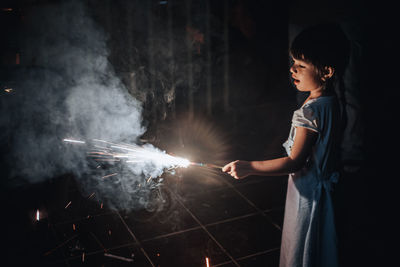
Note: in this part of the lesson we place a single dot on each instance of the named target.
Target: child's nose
(293, 69)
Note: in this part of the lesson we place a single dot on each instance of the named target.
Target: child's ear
(328, 73)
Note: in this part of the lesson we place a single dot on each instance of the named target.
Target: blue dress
(308, 235)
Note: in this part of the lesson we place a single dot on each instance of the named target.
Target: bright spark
(37, 215)
(138, 154)
(74, 141)
(131, 154)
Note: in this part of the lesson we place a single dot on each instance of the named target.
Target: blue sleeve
(305, 117)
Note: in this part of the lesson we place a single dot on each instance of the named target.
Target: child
(308, 238)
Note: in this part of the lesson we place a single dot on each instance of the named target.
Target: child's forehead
(302, 59)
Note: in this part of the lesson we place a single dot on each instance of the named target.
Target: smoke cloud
(68, 89)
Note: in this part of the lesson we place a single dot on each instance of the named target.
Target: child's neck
(318, 93)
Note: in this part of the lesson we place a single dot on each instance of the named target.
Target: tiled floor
(233, 223)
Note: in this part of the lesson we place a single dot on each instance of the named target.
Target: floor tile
(267, 194)
(77, 205)
(30, 245)
(168, 218)
(246, 236)
(217, 205)
(269, 259)
(276, 216)
(225, 264)
(195, 180)
(185, 249)
(93, 234)
(124, 256)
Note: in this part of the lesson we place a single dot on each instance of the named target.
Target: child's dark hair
(323, 45)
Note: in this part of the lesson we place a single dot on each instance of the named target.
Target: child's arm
(301, 149)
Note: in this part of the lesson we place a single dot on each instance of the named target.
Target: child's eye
(301, 66)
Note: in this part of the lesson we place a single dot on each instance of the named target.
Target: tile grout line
(208, 224)
(102, 250)
(83, 218)
(136, 240)
(205, 229)
(253, 205)
(233, 219)
(258, 253)
(65, 259)
(248, 256)
(171, 234)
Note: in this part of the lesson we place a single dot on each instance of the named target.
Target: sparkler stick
(209, 165)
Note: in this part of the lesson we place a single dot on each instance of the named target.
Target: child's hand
(238, 169)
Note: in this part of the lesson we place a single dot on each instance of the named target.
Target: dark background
(243, 50)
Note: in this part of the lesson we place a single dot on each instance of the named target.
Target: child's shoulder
(321, 101)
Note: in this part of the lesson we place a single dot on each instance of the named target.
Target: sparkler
(136, 154)
(73, 141)
(209, 165)
(104, 151)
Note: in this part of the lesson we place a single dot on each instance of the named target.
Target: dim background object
(245, 47)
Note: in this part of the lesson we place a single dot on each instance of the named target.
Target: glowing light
(207, 262)
(74, 141)
(8, 90)
(37, 215)
(7, 9)
(209, 165)
(137, 154)
(104, 151)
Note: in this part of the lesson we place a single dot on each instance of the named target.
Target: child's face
(305, 75)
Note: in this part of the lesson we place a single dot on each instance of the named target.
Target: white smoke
(68, 89)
